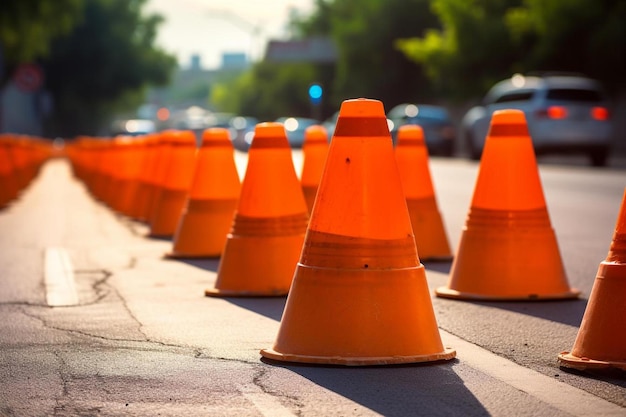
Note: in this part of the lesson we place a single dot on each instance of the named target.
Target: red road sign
(28, 77)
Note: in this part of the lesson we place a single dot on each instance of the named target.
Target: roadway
(143, 339)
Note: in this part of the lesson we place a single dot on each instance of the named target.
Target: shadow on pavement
(439, 266)
(432, 389)
(208, 264)
(568, 312)
(270, 307)
(616, 377)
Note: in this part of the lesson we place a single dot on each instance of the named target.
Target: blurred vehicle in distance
(439, 130)
(133, 127)
(219, 119)
(242, 131)
(565, 114)
(295, 127)
(330, 123)
(192, 118)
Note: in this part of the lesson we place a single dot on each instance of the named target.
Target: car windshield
(574, 94)
(515, 96)
(417, 112)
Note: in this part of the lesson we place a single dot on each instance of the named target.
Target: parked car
(295, 127)
(565, 114)
(133, 127)
(242, 131)
(439, 130)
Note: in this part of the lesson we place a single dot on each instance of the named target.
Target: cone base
(169, 209)
(430, 235)
(445, 292)
(508, 255)
(257, 266)
(215, 292)
(202, 228)
(568, 360)
(447, 354)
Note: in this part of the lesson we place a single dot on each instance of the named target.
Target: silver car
(565, 114)
(439, 130)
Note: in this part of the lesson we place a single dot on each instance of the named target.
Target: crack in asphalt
(97, 287)
(65, 379)
(146, 345)
(257, 379)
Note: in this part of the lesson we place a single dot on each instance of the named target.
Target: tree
(104, 63)
(364, 32)
(587, 36)
(472, 49)
(274, 90)
(27, 27)
(484, 41)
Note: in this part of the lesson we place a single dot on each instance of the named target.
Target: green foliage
(483, 41)
(27, 27)
(107, 59)
(471, 51)
(369, 66)
(273, 90)
(587, 36)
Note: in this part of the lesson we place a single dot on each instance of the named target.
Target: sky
(210, 28)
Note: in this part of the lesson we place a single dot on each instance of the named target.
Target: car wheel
(599, 157)
(474, 152)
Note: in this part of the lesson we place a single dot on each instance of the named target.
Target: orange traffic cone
(314, 150)
(601, 339)
(130, 161)
(412, 158)
(212, 200)
(268, 229)
(9, 187)
(179, 168)
(508, 249)
(359, 294)
(153, 175)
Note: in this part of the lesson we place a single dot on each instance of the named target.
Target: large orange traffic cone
(601, 339)
(359, 294)
(412, 158)
(314, 150)
(179, 168)
(212, 200)
(508, 249)
(268, 229)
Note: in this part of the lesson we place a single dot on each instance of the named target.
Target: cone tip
(269, 129)
(270, 135)
(508, 116)
(315, 133)
(361, 107)
(215, 134)
(410, 133)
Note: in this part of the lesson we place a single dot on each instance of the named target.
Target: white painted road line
(59, 278)
(265, 403)
(548, 390)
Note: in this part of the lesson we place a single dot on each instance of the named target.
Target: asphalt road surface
(140, 337)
